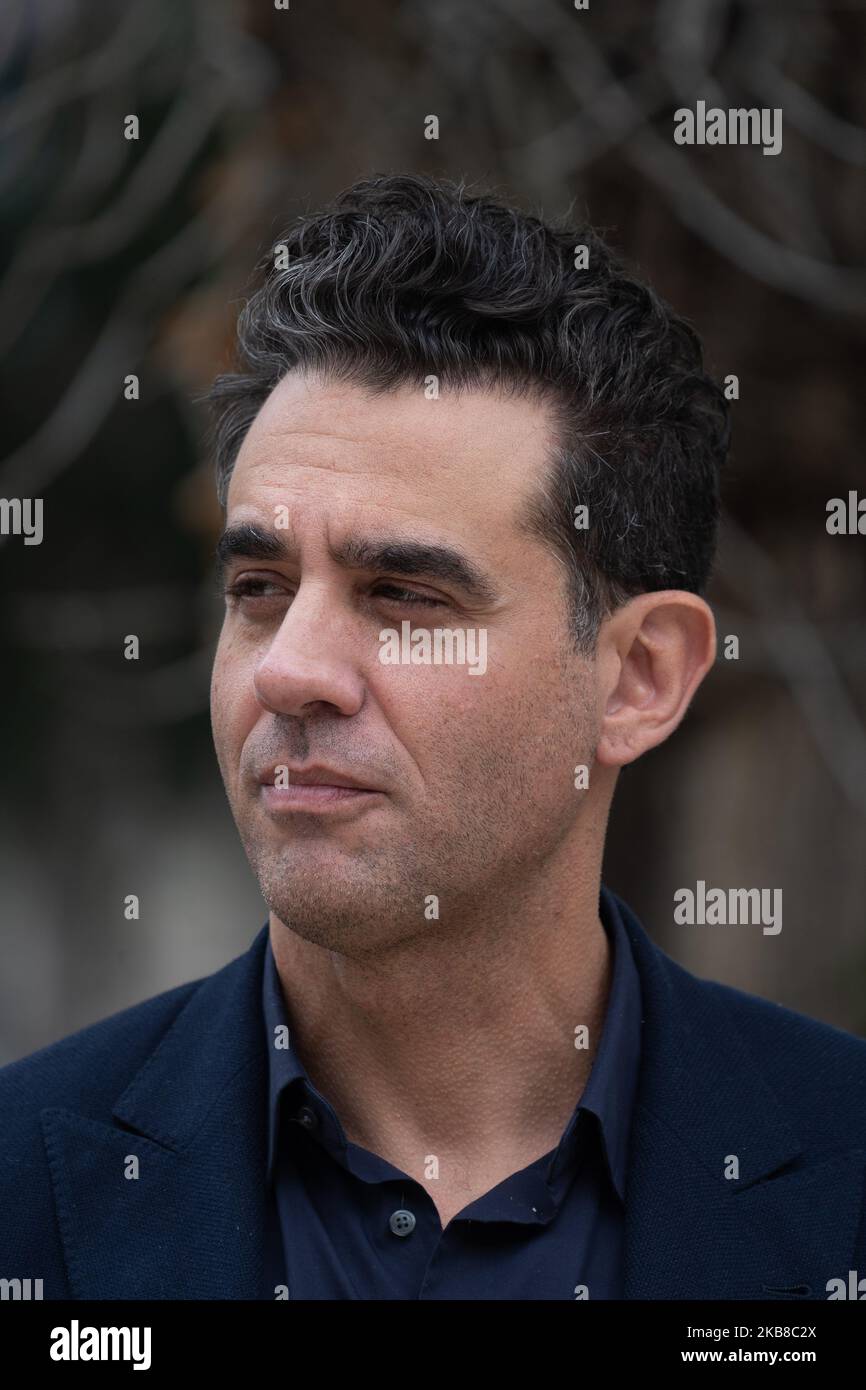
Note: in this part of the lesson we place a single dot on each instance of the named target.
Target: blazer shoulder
(819, 1069)
(87, 1070)
(764, 1016)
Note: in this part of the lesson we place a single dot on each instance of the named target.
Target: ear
(652, 655)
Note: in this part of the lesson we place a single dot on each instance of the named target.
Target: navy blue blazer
(180, 1081)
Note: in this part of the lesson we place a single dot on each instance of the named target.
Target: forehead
(464, 462)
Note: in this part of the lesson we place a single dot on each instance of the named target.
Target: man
(470, 472)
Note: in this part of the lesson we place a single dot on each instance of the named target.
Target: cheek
(530, 716)
(233, 706)
(418, 696)
(446, 719)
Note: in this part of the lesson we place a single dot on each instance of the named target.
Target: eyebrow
(410, 559)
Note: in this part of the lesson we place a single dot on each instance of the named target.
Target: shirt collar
(609, 1093)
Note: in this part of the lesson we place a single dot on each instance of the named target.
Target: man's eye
(398, 595)
(252, 588)
(264, 588)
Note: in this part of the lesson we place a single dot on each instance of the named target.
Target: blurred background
(123, 257)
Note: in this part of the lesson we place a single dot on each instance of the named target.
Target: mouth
(312, 788)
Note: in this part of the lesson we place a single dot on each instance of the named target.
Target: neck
(460, 1040)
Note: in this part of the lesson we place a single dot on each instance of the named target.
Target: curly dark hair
(407, 276)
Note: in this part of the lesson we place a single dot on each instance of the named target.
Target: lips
(314, 775)
(314, 790)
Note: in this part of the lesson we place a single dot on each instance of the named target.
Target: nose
(309, 661)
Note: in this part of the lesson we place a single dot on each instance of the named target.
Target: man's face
(472, 774)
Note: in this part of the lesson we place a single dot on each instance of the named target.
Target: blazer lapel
(191, 1224)
(785, 1225)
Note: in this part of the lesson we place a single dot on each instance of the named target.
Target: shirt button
(402, 1223)
(307, 1117)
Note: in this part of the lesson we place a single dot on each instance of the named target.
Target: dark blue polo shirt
(345, 1223)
